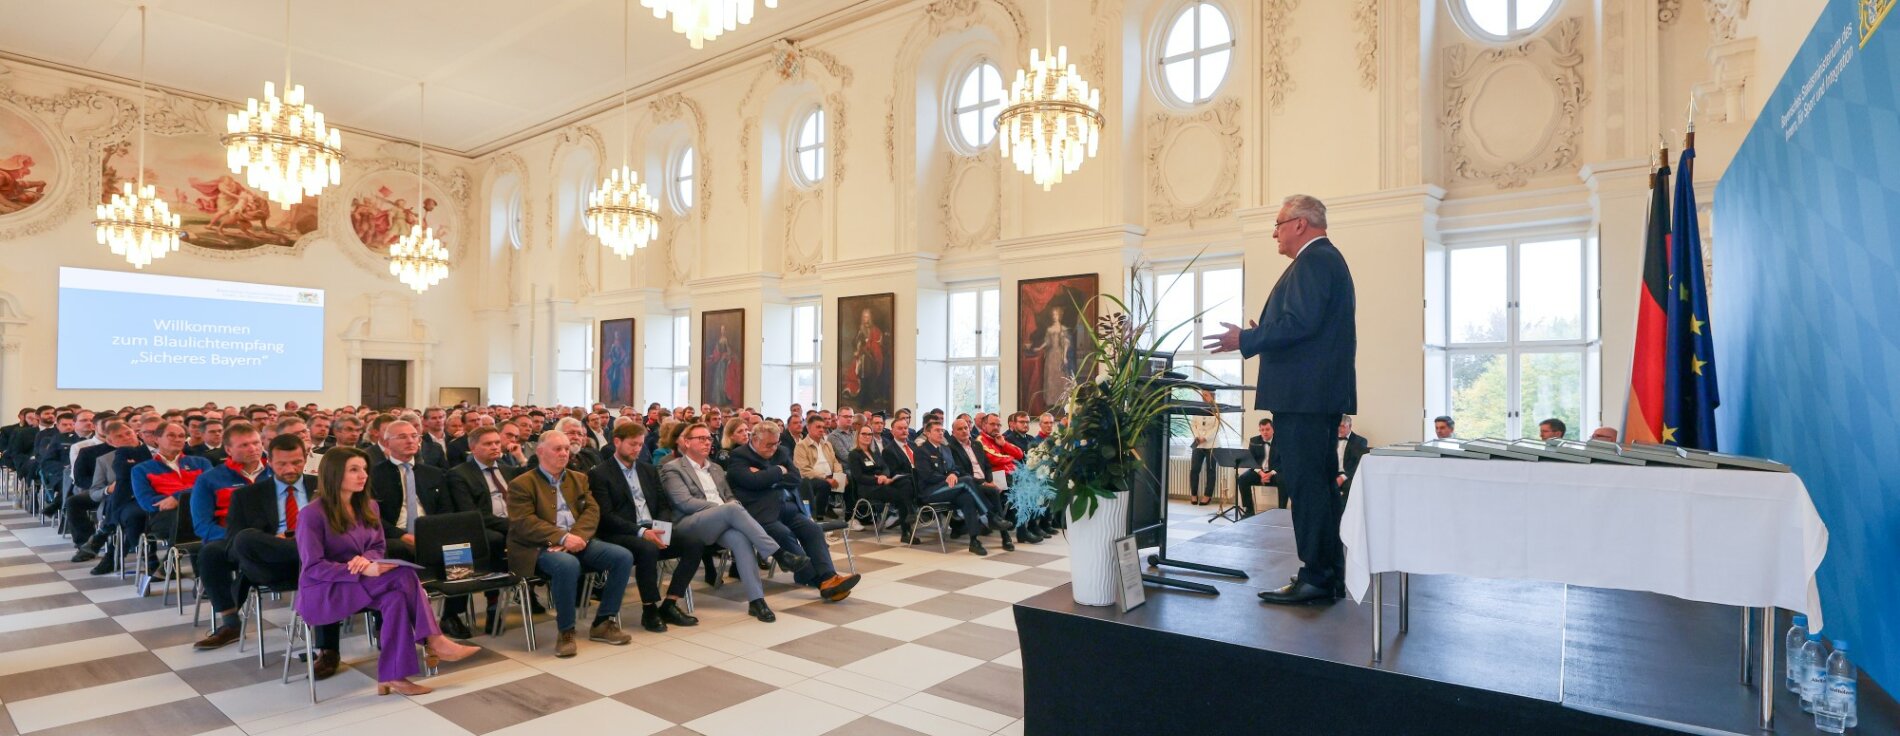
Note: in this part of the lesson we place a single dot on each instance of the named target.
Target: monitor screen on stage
(135, 331)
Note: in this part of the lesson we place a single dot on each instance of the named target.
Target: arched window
(808, 153)
(514, 216)
(683, 178)
(1502, 20)
(979, 100)
(1196, 53)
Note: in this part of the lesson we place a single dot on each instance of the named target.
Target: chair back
(435, 531)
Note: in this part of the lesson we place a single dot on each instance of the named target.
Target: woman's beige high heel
(459, 653)
(402, 687)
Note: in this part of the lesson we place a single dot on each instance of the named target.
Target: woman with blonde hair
(669, 441)
(340, 540)
(736, 433)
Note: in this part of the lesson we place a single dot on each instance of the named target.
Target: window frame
(954, 111)
(816, 364)
(1193, 347)
(586, 373)
(1461, 16)
(976, 361)
(1513, 348)
(1193, 55)
(679, 188)
(806, 119)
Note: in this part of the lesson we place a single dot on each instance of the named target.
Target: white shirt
(1204, 429)
(1340, 449)
(77, 446)
(497, 489)
(705, 479)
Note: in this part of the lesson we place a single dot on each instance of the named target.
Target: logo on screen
(306, 297)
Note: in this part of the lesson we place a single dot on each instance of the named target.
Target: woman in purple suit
(340, 540)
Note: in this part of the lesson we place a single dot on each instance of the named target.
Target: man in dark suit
(1266, 459)
(631, 499)
(458, 447)
(1306, 340)
(941, 480)
(764, 479)
(1351, 448)
(123, 460)
(435, 444)
(480, 483)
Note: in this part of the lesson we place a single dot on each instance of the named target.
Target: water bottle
(1838, 710)
(1797, 636)
(1814, 671)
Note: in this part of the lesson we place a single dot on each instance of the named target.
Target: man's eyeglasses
(1278, 223)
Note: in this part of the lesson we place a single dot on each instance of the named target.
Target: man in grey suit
(709, 512)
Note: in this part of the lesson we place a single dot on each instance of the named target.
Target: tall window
(1520, 336)
(682, 375)
(808, 155)
(1502, 20)
(574, 364)
(979, 101)
(806, 337)
(975, 337)
(1196, 52)
(1213, 291)
(683, 180)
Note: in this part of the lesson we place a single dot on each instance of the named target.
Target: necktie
(290, 510)
(410, 504)
(498, 498)
(908, 455)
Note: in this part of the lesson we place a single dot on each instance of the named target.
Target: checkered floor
(926, 644)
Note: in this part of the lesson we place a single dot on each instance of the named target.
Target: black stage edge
(1481, 657)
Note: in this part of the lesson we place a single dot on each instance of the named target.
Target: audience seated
(973, 464)
(937, 474)
(342, 547)
(1442, 427)
(631, 499)
(708, 510)
(552, 518)
(156, 487)
(1266, 460)
(821, 474)
(766, 481)
(95, 463)
(1551, 429)
(480, 484)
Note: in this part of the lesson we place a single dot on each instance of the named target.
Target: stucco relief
(970, 203)
(1182, 187)
(1514, 112)
(804, 231)
(1365, 20)
(1277, 44)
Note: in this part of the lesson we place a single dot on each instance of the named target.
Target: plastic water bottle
(1797, 636)
(1814, 671)
(1838, 709)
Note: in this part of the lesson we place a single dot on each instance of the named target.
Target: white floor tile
(985, 568)
(786, 628)
(842, 697)
(349, 688)
(795, 665)
(114, 593)
(13, 571)
(1012, 659)
(760, 671)
(895, 594)
(1013, 729)
(360, 708)
(871, 686)
(37, 590)
(780, 713)
(604, 716)
(903, 625)
(56, 655)
(694, 652)
(959, 712)
(625, 671)
(157, 619)
(1002, 619)
(933, 725)
(37, 619)
(465, 681)
(83, 704)
(1008, 591)
(408, 722)
(913, 666)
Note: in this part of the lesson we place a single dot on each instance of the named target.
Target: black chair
(436, 531)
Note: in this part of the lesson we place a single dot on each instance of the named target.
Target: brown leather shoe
(327, 661)
(609, 631)
(219, 638)
(564, 645)
(838, 587)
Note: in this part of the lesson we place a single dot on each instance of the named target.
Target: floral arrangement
(1114, 399)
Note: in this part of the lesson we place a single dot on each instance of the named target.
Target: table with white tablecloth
(1733, 537)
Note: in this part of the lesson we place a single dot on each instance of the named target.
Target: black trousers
(646, 563)
(1309, 465)
(79, 507)
(1199, 484)
(217, 572)
(819, 492)
(901, 495)
(1249, 480)
(267, 559)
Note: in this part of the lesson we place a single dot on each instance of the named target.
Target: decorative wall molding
(68, 192)
(890, 135)
(786, 64)
(1725, 16)
(334, 209)
(801, 258)
(966, 230)
(1667, 11)
(676, 106)
(1723, 99)
(1276, 44)
(1222, 119)
(1558, 60)
(1365, 20)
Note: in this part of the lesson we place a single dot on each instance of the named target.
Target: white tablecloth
(1733, 537)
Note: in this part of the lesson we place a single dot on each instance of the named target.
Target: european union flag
(1689, 390)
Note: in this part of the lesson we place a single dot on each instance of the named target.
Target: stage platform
(1481, 657)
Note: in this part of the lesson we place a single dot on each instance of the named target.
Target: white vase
(1092, 566)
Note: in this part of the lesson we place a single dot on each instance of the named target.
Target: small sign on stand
(1129, 594)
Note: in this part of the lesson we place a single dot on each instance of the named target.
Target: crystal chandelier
(1054, 121)
(419, 259)
(136, 223)
(620, 211)
(704, 20)
(282, 146)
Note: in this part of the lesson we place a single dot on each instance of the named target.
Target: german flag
(1643, 418)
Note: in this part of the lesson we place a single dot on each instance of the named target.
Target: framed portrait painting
(722, 355)
(616, 362)
(1050, 316)
(865, 379)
